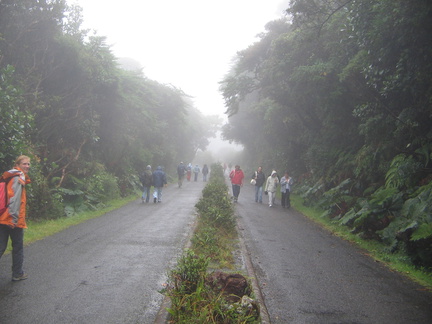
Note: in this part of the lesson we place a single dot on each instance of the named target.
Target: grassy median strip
(204, 286)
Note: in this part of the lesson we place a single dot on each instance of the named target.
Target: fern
(424, 231)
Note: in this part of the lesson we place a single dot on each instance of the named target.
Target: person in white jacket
(271, 186)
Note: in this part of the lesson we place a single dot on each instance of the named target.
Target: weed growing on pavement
(200, 296)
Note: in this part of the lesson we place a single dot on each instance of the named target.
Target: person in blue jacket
(159, 181)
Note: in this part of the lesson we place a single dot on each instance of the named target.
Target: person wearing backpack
(146, 181)
(12, 220)
(181, 170)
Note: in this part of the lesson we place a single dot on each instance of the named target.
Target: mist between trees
(338, 93)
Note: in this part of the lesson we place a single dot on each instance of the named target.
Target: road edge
(264, 315)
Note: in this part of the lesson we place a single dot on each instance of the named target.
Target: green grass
(38, 230)
(215, 240)
(394, 261)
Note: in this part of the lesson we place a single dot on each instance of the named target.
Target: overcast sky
(189, 44)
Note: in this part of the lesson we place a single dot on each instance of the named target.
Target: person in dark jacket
(259, 178)
(181, 170)
(205, 172)
(159, 181)
(146, 181)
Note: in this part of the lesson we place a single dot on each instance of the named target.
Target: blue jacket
(159, 177)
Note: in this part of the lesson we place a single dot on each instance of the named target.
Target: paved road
(110, 269)
(307, 275)
(107, 270)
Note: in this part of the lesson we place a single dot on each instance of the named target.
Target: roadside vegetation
(206, 286)
(89, 123)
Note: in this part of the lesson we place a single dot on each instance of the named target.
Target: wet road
(110, 269)
(106, 270)
(307, 275)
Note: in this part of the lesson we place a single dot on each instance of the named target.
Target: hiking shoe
(20, 277)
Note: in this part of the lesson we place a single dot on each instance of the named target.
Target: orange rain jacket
(15, 214)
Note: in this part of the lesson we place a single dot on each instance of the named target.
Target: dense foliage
(340, 94)
(89, 125)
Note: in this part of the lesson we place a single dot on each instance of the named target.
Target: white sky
(189, 44)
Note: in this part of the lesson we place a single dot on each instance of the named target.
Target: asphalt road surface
(111, 269)
(308, 275)
(106, 270)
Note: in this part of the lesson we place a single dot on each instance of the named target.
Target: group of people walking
(157, 179)
(183, 170)
(262, 185)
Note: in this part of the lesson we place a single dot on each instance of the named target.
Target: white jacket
(272, 182)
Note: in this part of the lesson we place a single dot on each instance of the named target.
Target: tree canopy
(91, 125)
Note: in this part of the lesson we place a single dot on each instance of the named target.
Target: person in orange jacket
(12, 220)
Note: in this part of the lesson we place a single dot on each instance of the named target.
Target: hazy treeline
(88, 125)
(340, 94)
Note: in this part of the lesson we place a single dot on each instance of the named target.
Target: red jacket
(236, 177)
(15, 214)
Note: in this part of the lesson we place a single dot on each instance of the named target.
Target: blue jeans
(17, 237)
(158, 193)
(258, 193)
(146, 194)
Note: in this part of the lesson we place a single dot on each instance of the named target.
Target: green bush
(189, 273)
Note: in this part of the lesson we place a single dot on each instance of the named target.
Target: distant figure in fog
(181, 170)
(196, 171)
(146, 180)
(159, 180)
(271, 186)
(205, 172)
(189, 171)
(236, 177)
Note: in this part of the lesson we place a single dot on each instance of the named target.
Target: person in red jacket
(236, 177)
(12, 220)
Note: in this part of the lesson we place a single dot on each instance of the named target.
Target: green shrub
(189, 273)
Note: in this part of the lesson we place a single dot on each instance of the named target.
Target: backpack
(4, 199)
(146, 179)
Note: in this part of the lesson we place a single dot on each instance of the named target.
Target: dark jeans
(17, 237)
(236, 191)
(286, 202)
